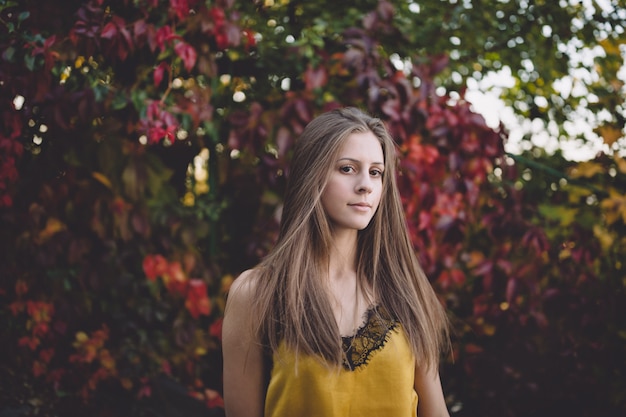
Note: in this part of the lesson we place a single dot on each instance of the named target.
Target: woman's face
(355, 186)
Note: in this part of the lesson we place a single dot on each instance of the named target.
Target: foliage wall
(144, 151)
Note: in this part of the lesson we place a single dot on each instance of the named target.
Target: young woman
(339, 319)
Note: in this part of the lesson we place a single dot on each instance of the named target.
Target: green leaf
(138, 98)
(23, 16)
(211, 131)
(566, 216)
(119, 102)
(7, 4)
(9, 54)
(100, 92)
(157, 174)
(29, 60)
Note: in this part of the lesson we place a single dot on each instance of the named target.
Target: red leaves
(315, 78)
(10, 152)
(180, 8)
(420, 154)
(46, 50)
(159, 73)
(218, 16)
(39, 318)
(90, 349)
(159, 124)
(120, 41)
(154, 266)
(215, 330)
(451, 278)
(40, 365)
(536, 239)
(145, 390)
(40, 311)
(109, 31)
(187, 54)
(31, 342)
(87, 27)
(164, 36)
(221, 29)
(250, 38)
(213, 399)
(175, 279)
(177, 283)
(197, 301)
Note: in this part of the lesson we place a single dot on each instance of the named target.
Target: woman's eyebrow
(358, 161)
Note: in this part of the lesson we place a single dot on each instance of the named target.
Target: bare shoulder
(242, 289)
(243, 354)
(240, 298)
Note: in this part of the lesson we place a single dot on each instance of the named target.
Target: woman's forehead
(362, 146)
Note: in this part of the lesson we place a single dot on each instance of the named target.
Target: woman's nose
(365, 184)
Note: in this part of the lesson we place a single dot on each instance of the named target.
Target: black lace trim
(369, 338)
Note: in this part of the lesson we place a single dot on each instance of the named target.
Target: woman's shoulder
(238, 314)
(243, 287)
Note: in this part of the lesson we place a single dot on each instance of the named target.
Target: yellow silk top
(377, 378)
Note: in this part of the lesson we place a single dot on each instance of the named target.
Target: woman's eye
(346, 169)
(376, 173)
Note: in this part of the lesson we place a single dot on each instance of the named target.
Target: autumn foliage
(144, 148)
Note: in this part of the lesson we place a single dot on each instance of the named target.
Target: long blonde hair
(292, 303)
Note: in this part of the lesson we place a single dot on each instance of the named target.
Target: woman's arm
(244, 394)
(431, 402)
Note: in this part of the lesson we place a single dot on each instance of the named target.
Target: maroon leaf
(109, 31)
(159, 72)
(187, 54)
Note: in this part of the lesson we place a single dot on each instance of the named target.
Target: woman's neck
(342, 256)
(348, 300)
